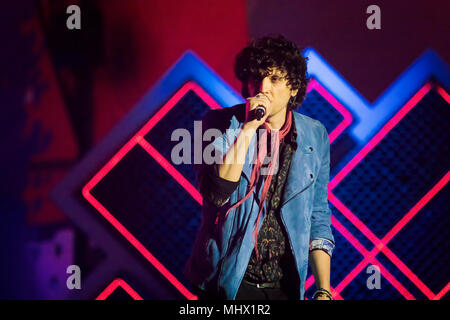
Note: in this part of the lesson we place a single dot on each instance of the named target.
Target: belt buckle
(259, 286)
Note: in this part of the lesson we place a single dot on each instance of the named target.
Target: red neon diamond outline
(118, 282)
(348, 118)
(380, 245)
(353, 241)
(138, 138)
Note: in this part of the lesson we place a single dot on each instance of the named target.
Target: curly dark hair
(257, 59)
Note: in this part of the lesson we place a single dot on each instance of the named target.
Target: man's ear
(294, 92)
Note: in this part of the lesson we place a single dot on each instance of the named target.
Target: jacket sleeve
(214, 189)
(321, 234)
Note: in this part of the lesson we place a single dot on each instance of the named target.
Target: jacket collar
(298, 177)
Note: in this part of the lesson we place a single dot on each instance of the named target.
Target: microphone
(260, 112)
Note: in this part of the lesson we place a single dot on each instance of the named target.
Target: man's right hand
(233, 162)
(250, 106)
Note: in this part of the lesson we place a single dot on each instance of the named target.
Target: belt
(272, 285)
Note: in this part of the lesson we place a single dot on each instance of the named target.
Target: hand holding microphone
(257, 110)
(260, 112)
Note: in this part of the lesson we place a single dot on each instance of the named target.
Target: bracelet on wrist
(322, 291)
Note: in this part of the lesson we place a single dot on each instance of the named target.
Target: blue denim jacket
(222, 251)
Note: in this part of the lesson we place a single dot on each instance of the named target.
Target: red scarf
(276, 139)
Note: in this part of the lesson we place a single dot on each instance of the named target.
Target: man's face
(275, 87)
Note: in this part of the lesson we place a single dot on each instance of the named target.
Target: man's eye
(275, 78)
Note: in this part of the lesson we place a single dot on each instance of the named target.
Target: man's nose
(265, 86)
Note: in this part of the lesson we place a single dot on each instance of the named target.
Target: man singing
(265, 206)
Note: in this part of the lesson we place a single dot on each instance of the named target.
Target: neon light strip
(138, 139)
(379, 136)
(371, 116)
(137, 244)
(348, 118)
(381, 245)
(353, 241)
(443, 93)
(443, 292)
(173, 101)
(113, 286)
(400, 225)
(368, 258)
(172, 171)
(414, 210)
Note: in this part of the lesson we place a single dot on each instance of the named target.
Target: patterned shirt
(273, 241)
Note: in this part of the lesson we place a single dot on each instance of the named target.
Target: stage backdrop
(89, 113)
